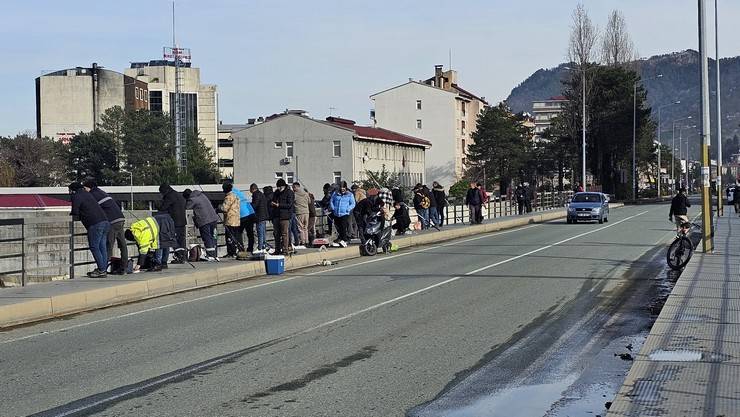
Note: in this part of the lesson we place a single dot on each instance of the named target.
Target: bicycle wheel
(679, 253)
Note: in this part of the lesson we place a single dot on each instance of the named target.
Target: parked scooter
(377, 234)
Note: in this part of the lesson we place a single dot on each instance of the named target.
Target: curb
(22, 307)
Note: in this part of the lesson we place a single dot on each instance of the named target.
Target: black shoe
(164, 266)
(155, 268)
(177, 261)
(93, 272)
(97, 274)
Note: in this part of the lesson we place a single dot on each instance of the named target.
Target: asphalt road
(385, 336)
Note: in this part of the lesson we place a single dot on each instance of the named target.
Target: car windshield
(587, 198)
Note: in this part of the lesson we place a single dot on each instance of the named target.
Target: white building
(200, 101)
(71, 101)
(544, 111)
(297, 148)
(437, 109)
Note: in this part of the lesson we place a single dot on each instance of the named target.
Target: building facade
(314, 152)
(544, 111)
(71, 101)
(200, 101)
(437, 109)
(226, 148)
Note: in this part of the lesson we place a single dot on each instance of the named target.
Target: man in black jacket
(282, 211)
(173, 203)
(679, 208)
(88, 211)
(473, 201)
(117, 222)
(262, 214)
(441, 199)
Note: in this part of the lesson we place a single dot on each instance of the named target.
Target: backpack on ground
(195, 253)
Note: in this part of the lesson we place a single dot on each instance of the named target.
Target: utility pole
(707, 242)
(720, 209)
(634, 140)
(583, 131)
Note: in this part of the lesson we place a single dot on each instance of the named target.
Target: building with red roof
(32, 202)
(295, 147)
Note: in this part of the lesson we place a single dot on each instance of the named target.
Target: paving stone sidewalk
(690, 362)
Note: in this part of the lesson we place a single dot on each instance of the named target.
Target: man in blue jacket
(341, 204)
(247, 217)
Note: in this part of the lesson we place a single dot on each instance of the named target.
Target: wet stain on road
(316, 374)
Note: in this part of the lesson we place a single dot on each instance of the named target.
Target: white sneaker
(212, 259)
(271, 251)
(342, 243)
(299, 247)
(258, 252)
(335, 244)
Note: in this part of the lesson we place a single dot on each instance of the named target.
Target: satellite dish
(365, 158)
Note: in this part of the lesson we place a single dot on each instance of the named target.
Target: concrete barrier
(23, 305)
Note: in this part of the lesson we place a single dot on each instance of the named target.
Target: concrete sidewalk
(690, 362)
(23, 305)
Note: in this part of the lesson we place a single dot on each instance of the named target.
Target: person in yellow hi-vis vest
(145, 233)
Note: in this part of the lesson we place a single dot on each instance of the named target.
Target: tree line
(503, 151)
(136, 145)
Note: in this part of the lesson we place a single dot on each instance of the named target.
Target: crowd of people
(290, 208)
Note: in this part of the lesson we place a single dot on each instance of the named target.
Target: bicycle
(680, 251)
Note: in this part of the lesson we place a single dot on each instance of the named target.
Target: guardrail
(56, 248)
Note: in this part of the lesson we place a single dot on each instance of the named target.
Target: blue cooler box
(275, 264)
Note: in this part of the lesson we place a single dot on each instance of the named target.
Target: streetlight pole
(660, 139)
(634, 134)
(720, 210)
(583, 129)
(707, 242)
(673, 147)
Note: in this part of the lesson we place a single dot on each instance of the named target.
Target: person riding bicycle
(679, 209)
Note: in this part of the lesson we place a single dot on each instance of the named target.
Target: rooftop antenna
(450, 58)
(180, 56)
(331, 110)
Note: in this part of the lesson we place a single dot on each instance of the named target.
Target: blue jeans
(434, 216)
(423, 215)
(161, 256)
(206, 233)
(261, 231)
(295, 235)
(97, 239)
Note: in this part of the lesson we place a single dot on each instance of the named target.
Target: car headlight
(596, 210)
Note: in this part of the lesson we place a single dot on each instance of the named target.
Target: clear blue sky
(266, 56)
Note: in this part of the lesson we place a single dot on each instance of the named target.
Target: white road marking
(264, 284)
(327, 323)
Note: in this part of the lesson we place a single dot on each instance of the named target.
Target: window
(289, 177)
(337, 144)
(136, 92)
(462, 127)
(155, 101)
(337, 177)
(463, 108)
(278, 175)
(418, 104)
(278, 145)
(289, 149)
(145, 93)
(464, 149)
(418, 123)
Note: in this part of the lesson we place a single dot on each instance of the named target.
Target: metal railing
(61, 244)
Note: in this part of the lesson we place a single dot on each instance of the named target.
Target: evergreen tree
(94, 155)
(34, 162)
(501, 145)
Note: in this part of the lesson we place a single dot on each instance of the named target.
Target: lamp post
(706, 198)
(583, 122)
(660, 139)
(634, 134)
(720, 210)
(673, 147)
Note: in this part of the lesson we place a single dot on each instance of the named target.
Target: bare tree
(617, 47)
(583, 37)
